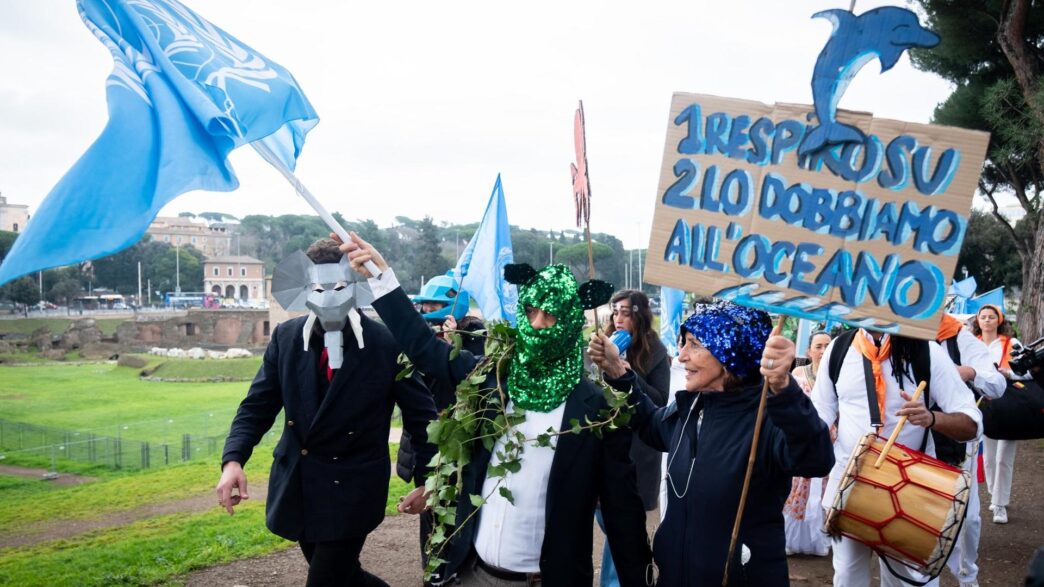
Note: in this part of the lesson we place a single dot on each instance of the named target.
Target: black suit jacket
(331, 467)
(585, 470)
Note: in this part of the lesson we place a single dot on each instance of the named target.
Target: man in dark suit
(329, 481)
(544, 534)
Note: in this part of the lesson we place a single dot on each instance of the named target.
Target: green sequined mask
(547, 363)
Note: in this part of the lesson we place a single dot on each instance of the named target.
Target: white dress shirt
(510, 536)
(848, 405)
(996, 349)
(976, 355)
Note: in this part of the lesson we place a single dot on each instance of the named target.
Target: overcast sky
(421, 104)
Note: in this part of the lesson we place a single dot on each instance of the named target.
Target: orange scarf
(948, 328)
(1005, 351)
(876, 356)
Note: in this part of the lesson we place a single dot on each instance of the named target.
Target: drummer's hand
(915, 411)
(776, 360)
(359, 252)
(967, 373)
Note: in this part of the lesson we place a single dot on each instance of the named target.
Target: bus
(100, 302)
(192, 299)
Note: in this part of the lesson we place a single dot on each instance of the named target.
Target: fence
(23, 443)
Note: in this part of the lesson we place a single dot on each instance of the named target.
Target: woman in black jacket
(707, 434)
(648, 357)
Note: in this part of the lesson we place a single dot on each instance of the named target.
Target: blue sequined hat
(734, 334)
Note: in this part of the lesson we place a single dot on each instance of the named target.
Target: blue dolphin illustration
(883, 33)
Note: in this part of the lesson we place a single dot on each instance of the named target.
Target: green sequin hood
(547, 363)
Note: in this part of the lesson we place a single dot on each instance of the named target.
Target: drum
(910, 510)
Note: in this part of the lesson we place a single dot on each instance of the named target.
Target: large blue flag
(182, 95)
(481, 265)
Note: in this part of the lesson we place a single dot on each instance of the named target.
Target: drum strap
(871, 394)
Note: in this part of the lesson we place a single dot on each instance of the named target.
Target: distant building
(13, 217)
(235, 276)
(213, 239)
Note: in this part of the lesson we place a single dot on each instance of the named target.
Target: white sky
(423, 103)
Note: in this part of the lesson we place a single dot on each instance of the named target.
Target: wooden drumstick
(898, 427)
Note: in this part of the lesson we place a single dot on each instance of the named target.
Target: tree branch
(1019, 245)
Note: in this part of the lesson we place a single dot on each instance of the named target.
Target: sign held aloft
(865, 233)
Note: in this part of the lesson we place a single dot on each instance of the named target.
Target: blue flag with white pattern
(480, 268)
(183, 94)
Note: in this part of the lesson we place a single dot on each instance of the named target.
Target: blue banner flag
(672, 303)
(183, 94)
(481, 265)
(994, 297)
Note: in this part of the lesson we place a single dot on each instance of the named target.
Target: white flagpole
(335, 226)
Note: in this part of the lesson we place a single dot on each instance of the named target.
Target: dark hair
(325, 250)
(472, 342)
(1003, 329)
(642, 319)
(902, 355)
(816, 333)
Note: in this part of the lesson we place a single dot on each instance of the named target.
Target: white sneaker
(1000, 515)
(970, 584)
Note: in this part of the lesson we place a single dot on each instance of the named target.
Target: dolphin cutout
(883, 33)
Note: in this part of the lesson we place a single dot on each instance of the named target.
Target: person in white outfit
(998, 456)
(977, 369)
(803, 510)
(847, 405)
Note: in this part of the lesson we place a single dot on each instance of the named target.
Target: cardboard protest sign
(865, 233)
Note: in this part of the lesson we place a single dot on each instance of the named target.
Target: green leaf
(506, 494)
(477, 501)
(514, 465)
(435, 431)
(543, 439)
(457, 343)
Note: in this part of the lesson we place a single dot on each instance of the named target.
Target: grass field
(112, 400)
(57, 325)
(236, 369)
(150, 550)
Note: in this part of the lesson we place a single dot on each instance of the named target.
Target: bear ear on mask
(595, 293)
(291, 280)
(519, 273)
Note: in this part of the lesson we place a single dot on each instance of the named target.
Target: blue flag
(182, 95)
(481, 265)
(671, 310)
(994, 297)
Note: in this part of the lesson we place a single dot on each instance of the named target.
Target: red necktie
(324, 362)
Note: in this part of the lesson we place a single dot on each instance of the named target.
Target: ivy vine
(480, 416)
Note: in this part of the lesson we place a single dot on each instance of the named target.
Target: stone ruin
(206, 333)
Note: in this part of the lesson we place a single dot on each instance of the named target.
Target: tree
(427, 251)
(987, 254)
(992, 51)
(65, 291)
(23, 290)
(575, 256)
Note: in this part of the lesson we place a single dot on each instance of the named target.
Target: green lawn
(112, 400)
(156, 550)
(235, 369)
(108, 326)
